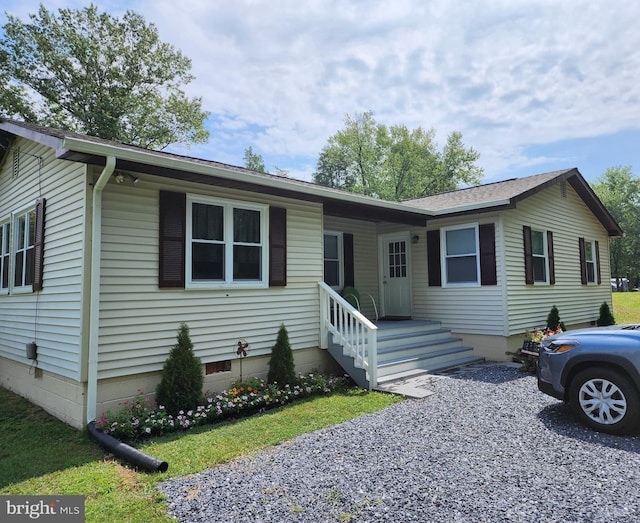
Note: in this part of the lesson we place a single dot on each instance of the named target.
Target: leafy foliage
(182, 379)
(253, 160)
(281, 365)
(606, 316)
(394, 163)
(89, 72)
(619, 190)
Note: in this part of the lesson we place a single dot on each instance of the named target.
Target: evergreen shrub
(182, 379)
(281, 365)
(606, 316)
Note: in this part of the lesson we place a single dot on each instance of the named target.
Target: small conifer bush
(181, 385)
(553, 320)
(606, 316)
(281, 366)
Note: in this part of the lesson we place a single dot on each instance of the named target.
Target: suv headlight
(559, 345)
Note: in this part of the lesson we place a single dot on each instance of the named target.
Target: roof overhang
(73, 147)
(70, 146)
(572, 176)
(335, 203)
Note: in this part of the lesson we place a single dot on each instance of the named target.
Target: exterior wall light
(122, 177)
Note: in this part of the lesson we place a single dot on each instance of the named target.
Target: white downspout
(94, 299)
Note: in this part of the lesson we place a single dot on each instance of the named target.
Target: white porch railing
(351, 329)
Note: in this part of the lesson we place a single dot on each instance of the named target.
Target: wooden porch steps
(407, 348)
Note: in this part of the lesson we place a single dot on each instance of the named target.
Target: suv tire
(606, 400)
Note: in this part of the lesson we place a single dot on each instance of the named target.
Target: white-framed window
(539, 253)
(226, 243)
(460, 255)
(5, 255)
(333, 259)
(24, 227)
(590, 261)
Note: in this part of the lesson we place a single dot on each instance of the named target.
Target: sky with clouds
(532, 85)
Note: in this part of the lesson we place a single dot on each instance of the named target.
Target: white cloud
(281, 75)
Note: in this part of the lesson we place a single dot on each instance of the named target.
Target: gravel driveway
(487, 446)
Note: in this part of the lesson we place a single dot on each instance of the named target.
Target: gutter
(94, 299)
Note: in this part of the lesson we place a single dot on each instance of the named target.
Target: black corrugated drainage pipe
(122, 450)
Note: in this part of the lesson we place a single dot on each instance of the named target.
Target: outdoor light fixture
(415, 238)
(122, 177)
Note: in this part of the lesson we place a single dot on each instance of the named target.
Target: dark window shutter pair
(528, 256)
(38, 246)
(488, 273)
(173, 207)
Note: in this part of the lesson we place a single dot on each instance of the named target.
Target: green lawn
(41, 455)
(626, 307)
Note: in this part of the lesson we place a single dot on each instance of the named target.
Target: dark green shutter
(433, 258)
(552, 262)
(172, 231)
(347, 251)
(597, 244)
(583, 261)
(277, 247)
(528, 255)
(487, 233)
(38, 246)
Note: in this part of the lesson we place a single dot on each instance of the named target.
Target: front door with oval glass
(395, 273)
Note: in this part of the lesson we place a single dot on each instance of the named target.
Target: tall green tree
(253, 160)
(619, 190)
(394, 163)
(93, 73)
(352, 158)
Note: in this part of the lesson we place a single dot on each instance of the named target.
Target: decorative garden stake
(241, 352)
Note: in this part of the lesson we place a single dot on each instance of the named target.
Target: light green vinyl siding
(139, 321)
(569, 219)
(365, 258)
(52, 317)
(464, 309)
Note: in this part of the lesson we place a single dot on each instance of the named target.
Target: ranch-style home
(106, 248)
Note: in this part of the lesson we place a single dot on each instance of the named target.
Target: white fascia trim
(472, 207)
(154, 158)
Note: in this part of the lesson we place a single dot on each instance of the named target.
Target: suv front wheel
(606, 400)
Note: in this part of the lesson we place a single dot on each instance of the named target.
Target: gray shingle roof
(489, 195)
(498, 195)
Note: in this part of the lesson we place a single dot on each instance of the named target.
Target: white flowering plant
(143, 417)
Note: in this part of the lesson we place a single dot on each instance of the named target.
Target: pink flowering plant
(143, 417)
(536, 335)
(531, 346)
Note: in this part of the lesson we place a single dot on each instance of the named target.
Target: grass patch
(626, 307)
(41, 455)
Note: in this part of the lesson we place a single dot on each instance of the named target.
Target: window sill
(19, 290)
(461, 285)
(212, 286)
